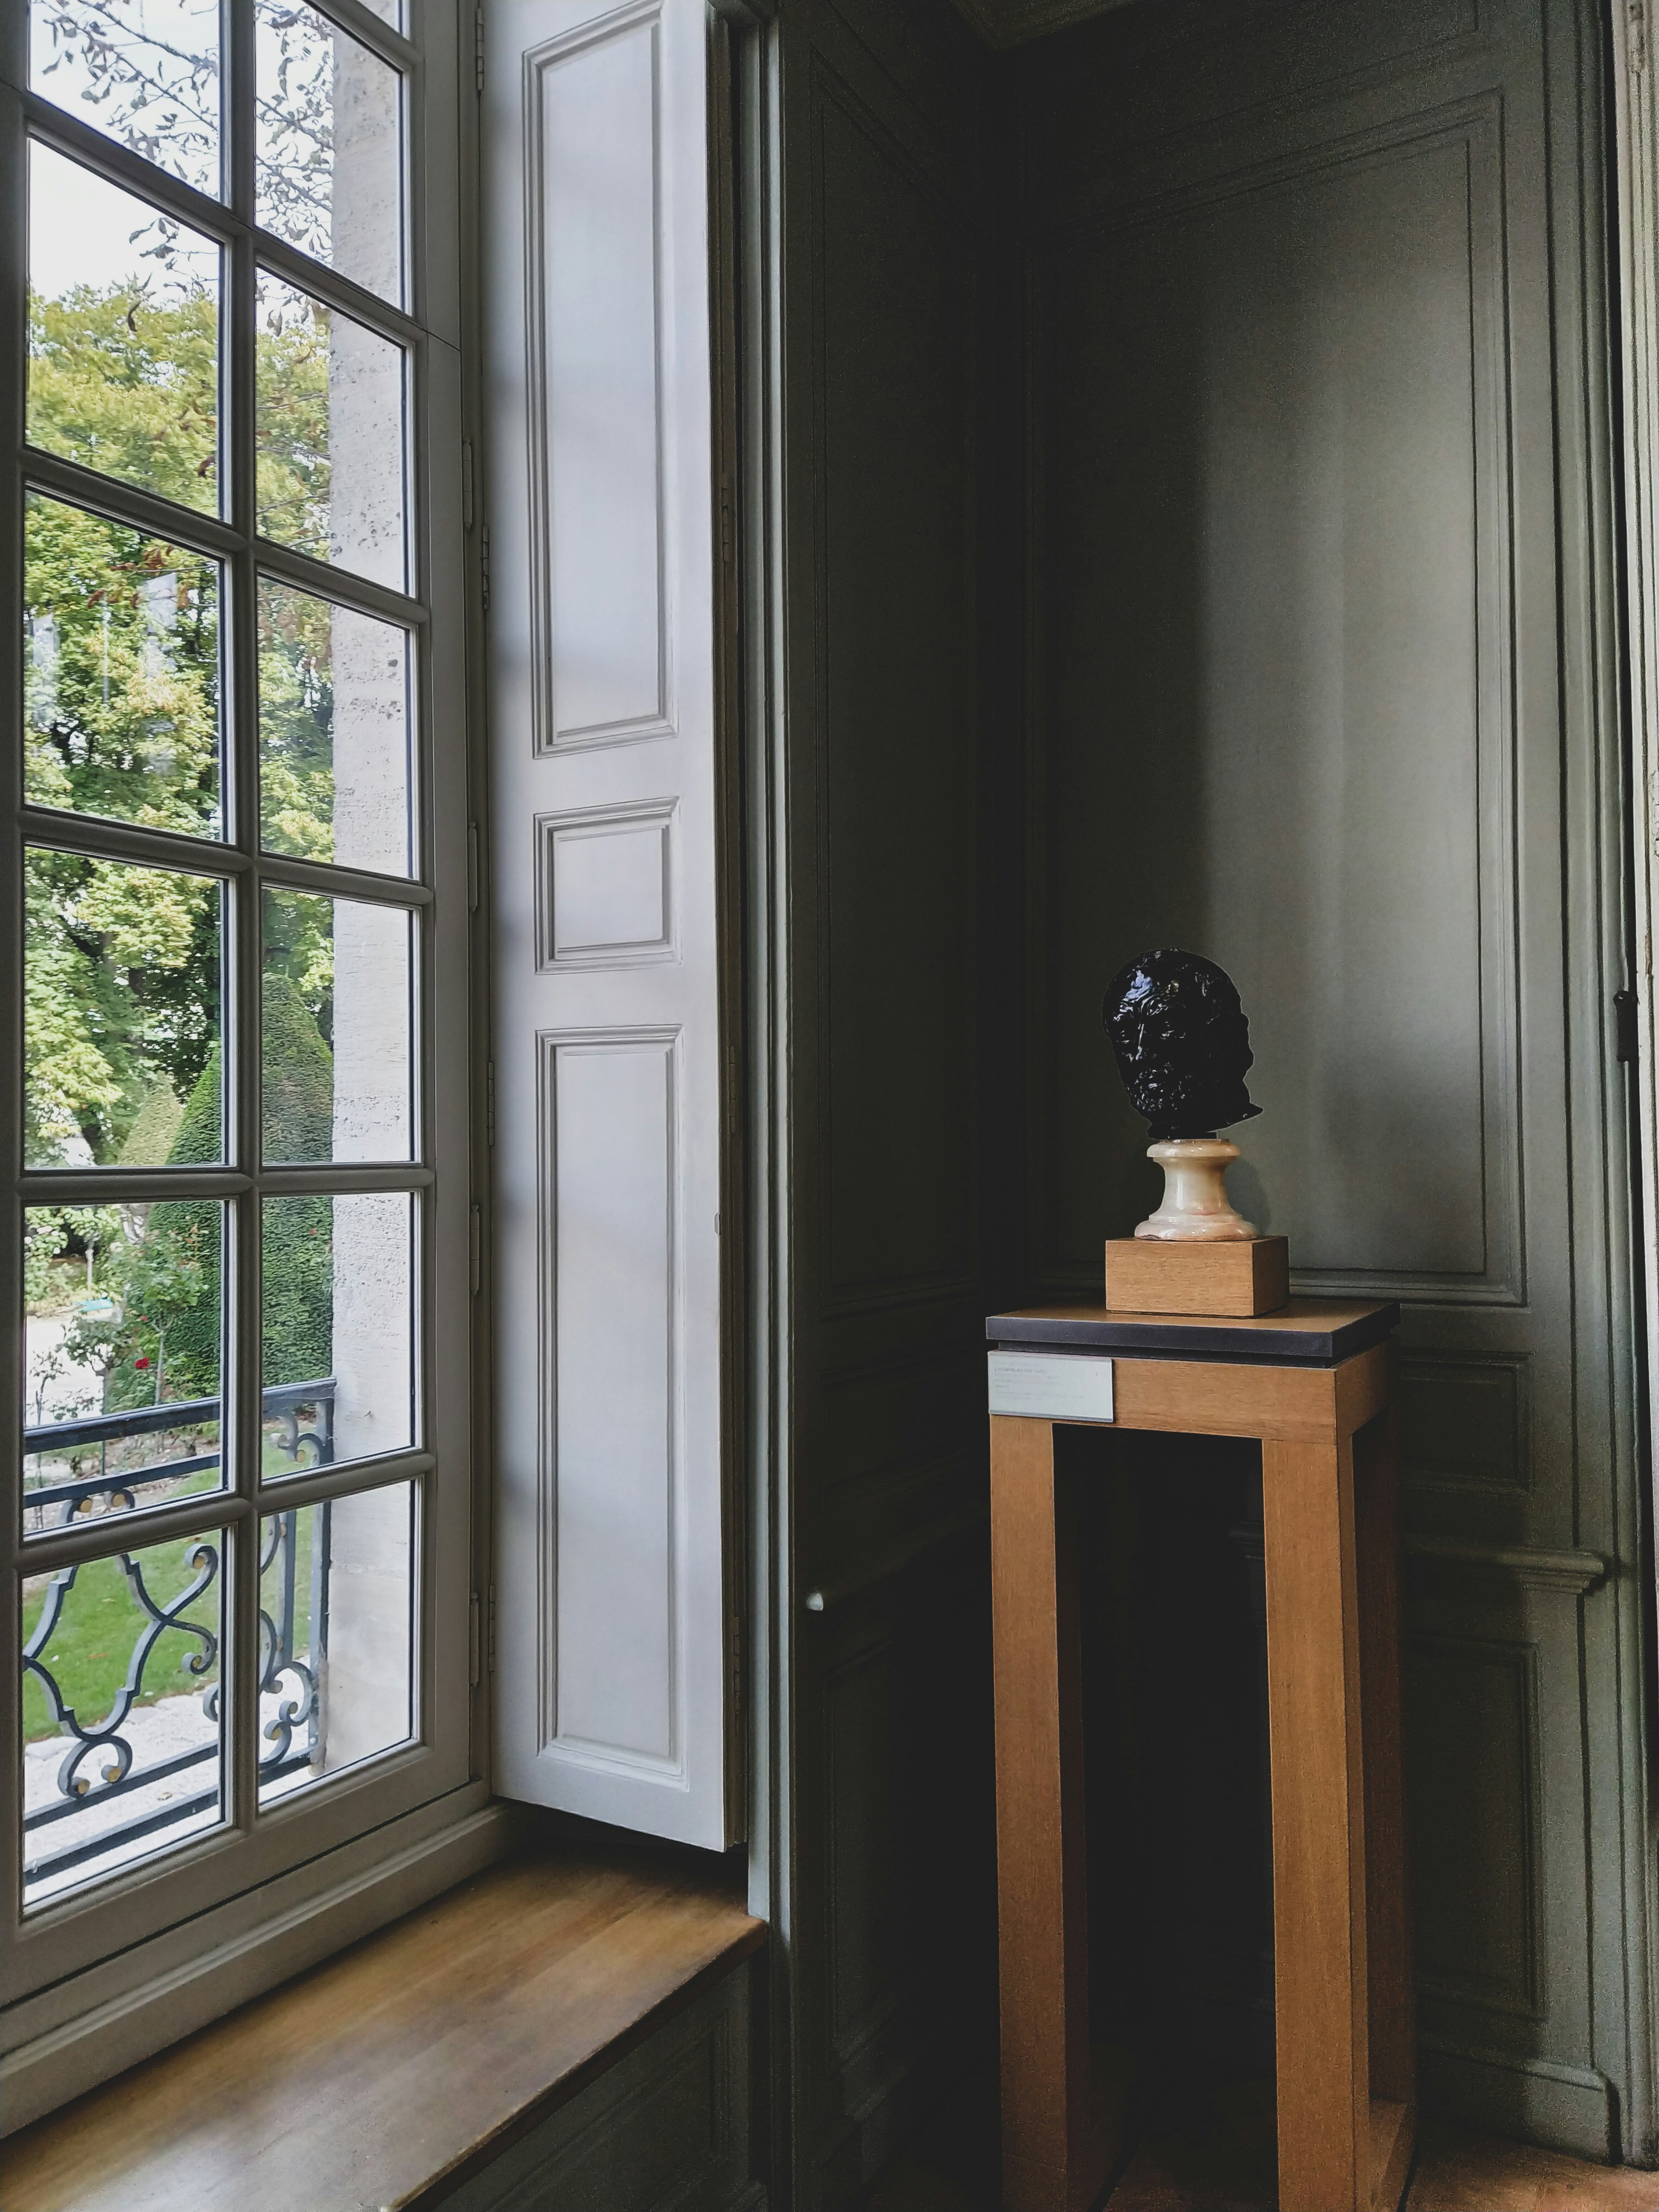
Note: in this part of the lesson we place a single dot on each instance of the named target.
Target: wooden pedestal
(1313, 1385)
(1145, 1275)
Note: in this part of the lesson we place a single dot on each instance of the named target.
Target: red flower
(140, 1363)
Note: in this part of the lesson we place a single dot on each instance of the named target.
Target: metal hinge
(466, 483)
(490, 1103)
(483, 565)
(472, 867)
(474, 1641)
(727, 532)
(476, 1248)
(478, 49)
(1624, 1016)
(489, 1651)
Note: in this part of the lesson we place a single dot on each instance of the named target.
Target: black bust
(1183, 1043)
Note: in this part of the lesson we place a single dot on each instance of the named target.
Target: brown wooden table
(1313, 1384)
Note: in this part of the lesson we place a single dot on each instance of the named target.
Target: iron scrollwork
(302, 1414)
(71, 1782)
(279, 1663)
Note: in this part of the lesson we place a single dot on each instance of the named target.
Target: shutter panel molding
(611, 1671)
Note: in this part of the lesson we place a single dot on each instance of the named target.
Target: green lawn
(100, 1622)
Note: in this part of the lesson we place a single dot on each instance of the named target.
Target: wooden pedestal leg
(1321, 1997)
(1056, 2145)
(1387, 1925)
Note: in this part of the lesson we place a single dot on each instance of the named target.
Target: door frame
(1632, 91)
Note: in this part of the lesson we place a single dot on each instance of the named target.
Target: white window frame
(95, 1982)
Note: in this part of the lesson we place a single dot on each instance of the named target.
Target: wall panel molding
(668, 2124)
(895, 1178)
(1572, 1573)
(599, 529)
(1360, 639)
(1495, 1644)
(1258, 74)
(1465, 1420)
(604, 885)
(607, 1211)
(1463, 144)
(929, 123)
(895, 1413)
(1476, 1850)
(1011, 23)
(826, 1596)
(1540, 2099)
(1475, 121)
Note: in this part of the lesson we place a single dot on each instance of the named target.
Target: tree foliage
(124, 686)
(150, 77)
(153, 85)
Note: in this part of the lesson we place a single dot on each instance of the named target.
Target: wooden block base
(1250, 1277)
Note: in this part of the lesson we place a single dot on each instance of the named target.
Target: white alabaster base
(1195, 1208)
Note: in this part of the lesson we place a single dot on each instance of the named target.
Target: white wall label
(1050, 1386)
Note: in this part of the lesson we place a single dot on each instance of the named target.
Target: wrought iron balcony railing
(101, 1763)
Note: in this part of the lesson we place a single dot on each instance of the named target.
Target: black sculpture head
(1183, 1043)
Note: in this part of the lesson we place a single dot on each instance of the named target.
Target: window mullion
(127, 503)
(372, 31)
(105, 156)
(14, 254)
(328, 285)
(102, 838)
(103, 1186)
(243, 1428)
(237, 47)
(339, 585)
(211, 1515)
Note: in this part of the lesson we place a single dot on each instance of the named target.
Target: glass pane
(336, 1635)
(334, 723)
(123, 335)
(337, 1028)
(120, 1015)
(122, 1733)
(338, 1318)
(121, 672)
(144, 71)
(329, 150)
(330, 429)
(123, 1327)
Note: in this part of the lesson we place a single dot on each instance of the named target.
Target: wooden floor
(1222, 2161)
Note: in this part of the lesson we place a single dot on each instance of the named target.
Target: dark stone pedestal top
(1306, 1333)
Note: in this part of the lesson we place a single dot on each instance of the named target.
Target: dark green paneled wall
(1198, 528)
(1323, 660)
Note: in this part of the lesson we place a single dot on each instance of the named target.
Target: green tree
(173, 1292)
(123, 652)
(176, 1284)
(123, 661)
(122, 657)
(298, 1309)
(127, 383)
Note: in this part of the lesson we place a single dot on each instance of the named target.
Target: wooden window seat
(465, 2055)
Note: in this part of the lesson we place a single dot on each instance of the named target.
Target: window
(237, 1573)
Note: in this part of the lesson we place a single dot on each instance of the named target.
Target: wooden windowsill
(388, 2074)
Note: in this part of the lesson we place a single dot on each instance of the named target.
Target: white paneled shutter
(611, 1675)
